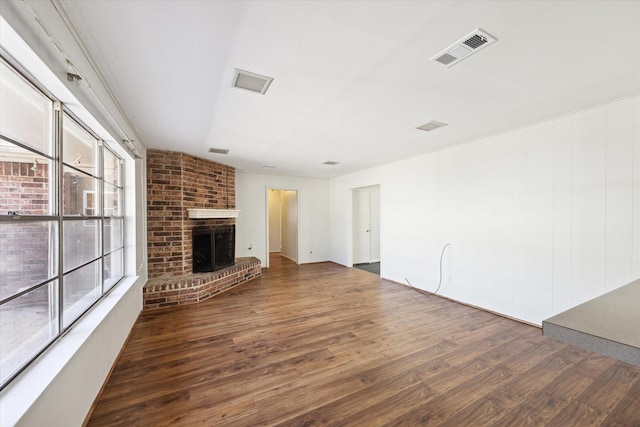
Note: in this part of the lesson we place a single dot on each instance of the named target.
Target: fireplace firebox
(213, 247)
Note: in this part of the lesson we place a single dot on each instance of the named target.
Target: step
(608, 324)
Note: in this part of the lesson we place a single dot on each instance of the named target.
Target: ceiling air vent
(330, 163)
(475, 41)
(219, 150)
(431, 126)
(446, 59)
(251, 81)
(463, 48)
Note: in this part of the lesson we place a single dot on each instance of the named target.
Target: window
(61, 220)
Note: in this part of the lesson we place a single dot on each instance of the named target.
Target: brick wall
(177, 182)
(24, 190)
(24, 259)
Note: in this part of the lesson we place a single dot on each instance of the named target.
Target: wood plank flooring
(321, 344)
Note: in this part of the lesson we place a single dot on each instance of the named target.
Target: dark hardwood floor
(321, 344)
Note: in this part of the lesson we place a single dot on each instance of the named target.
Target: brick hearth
(169, 290)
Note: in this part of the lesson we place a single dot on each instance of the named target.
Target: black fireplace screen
(213, 247)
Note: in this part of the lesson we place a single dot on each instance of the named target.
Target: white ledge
(213, 213)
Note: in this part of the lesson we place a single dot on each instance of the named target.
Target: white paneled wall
(619, 196)
(588, 203)
(561, 256)
(539, 219)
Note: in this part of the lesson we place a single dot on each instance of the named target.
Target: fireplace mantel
(213, 213)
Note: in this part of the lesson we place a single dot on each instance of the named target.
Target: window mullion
(57, 136)
(54, 191)
(100, 170)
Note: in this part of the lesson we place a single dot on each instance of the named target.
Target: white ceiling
(352, 79)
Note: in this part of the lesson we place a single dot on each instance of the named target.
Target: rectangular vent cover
(476, 41)
(463, 48)
(431, 126)
(446, 59)
(219, 150)
(251, 81)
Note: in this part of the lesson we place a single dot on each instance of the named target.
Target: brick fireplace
(177, 182)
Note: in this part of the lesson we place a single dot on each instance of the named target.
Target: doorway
(282, 223)
(366, 228)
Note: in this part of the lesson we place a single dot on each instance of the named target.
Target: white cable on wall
(439, 280)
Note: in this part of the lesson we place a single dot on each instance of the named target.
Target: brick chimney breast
(176, 182)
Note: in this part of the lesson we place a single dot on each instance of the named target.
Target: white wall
(539, 219)
(313, 215)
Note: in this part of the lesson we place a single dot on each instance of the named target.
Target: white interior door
(374, 224)
(361, 227)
